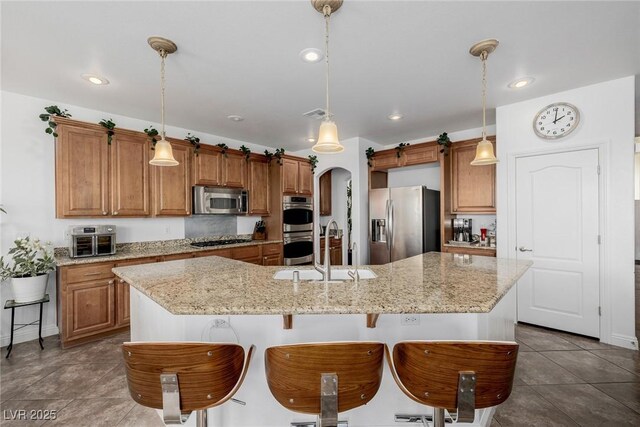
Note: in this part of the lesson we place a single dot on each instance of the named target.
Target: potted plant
(32, 261)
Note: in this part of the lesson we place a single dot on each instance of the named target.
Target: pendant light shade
(328, 141)
(484, 154)
(484, 151)
(163, 154)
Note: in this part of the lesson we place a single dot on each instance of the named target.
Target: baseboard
(625, 341)
(29, 334)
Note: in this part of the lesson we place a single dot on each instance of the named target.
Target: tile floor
(561, 380)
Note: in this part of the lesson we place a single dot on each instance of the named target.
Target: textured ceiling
(239, 57)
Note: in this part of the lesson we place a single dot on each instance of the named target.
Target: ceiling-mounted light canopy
(328, 141)
(484, 151)
(163, 155)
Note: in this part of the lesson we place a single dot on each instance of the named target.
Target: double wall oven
(297, 227)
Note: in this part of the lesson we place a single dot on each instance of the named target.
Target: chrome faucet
(354, 256)
(326, 269)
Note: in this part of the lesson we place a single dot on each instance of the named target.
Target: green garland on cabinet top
(109, 125)
(53, 110)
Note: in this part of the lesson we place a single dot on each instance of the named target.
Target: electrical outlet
(221, 322)
(410, 320)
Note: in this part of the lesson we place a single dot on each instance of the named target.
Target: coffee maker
(461, 229)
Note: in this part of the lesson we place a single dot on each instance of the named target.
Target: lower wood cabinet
(89, 307)
(335, 251)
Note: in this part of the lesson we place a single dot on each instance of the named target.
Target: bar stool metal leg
(40, 340)
(13, 312)
(201, 418)
(438, 417)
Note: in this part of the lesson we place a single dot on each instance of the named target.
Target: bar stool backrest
(428, 371)
(294, 373)
(208, 374)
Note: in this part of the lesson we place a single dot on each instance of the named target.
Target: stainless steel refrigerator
(403, 222)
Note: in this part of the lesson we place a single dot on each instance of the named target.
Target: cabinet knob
(188, 213)
(115, 213)
(111, 282)
(121, 281)
(104, 212)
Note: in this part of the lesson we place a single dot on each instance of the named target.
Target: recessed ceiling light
(96, 80)
(235, 118)
(395, 117)
(521, 82)
(311, 54)
(311, 140)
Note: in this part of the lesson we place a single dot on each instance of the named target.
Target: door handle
(386, 224)
(523, 249)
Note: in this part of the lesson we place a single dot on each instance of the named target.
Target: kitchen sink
(336, 274)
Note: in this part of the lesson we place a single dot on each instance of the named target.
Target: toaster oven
(92, 240)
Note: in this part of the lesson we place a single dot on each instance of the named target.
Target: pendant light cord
(327, 14)
(163, 55)
(483, 57)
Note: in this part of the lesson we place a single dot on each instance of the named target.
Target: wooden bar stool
(460, 376)
(183, 377)
(325, 378)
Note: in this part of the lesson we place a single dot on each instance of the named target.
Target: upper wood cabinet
(129, 175)
(171, 185)
(234, 171)
(472, 187)
(325, 193)
(259, 186)
(297, 177)
(412, 155)
(207, 166)
(94, 178)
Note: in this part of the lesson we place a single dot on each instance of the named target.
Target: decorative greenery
(278, 155)
(30, 258)
(400, 148)
(109, 125)
(246, 152)
(195, 141)
(53, 110)
(444, 141)
(314, 161)
(370, 153)
(2, 210)
(224, 147)
(152, 133)
(269, 155)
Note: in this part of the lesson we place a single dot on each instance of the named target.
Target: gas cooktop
(218, 242)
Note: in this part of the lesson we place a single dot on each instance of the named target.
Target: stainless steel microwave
(219, 201)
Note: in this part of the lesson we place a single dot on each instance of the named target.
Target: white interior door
(557, 197)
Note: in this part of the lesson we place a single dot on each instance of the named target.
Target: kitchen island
(430, 296)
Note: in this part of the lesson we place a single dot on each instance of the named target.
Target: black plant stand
(13, 305)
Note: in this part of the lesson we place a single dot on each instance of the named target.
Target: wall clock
(556, 120)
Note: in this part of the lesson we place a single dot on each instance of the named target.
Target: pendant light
(484, 151)
(328, 141)
(163, 155)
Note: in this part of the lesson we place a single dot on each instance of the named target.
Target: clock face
(556, 120)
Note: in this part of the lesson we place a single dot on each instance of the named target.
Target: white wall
(28, 192)
(607, 122)
(428, 175)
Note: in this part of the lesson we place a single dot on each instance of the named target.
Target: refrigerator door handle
(387, 226)
(390, 230)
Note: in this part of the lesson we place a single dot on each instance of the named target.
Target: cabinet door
(172, 186)
(175, 257)
(259, 187)
(235, 170)
(207, 167)
(123, 303)
(336, 256)
(473, 187)
(385, 160)
(325, 193)
(272, 260)
(90, 308)
(289, 176)
(420, 154)
(82, 172)
(305, 178)
(129, 175)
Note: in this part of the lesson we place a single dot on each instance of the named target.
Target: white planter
(27, 289)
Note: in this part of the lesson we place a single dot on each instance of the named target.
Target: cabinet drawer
(253, 260)
(246, 252)
(225, 253)
(271, 249)
(89, 272)
(136, 261)
(177, 257)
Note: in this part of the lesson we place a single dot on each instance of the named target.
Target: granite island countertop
(152, 249)
(429, 283)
